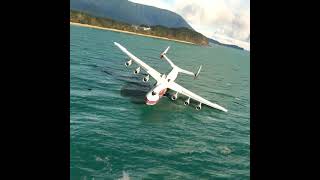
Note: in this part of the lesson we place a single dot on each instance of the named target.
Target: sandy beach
(128, 32)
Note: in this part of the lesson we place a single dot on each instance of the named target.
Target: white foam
(125, 176)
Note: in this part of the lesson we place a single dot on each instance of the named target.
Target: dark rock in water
(89, 89)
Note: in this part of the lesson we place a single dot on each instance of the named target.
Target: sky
(226, 20)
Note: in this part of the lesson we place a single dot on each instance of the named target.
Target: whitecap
(224, 150)
(125, 176)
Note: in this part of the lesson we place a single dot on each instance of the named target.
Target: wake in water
(125, 176)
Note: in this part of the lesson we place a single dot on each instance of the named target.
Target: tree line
(182, 33)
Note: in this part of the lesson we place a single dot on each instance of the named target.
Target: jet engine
(175, 96)
(128, 63)
(187, 102)
(136, 71)
(198, 107)
(146, 79)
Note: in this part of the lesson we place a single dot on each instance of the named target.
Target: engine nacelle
(136, 71)
(187, 102)
(198, 107)
(128, 63)
(175, 96)
(146, 79)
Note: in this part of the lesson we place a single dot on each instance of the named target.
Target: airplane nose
(149, 102)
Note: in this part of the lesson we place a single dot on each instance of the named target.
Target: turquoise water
(113, 134)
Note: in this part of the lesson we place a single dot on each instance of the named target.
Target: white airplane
(166, 81)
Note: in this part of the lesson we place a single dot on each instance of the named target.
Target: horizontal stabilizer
(197, 74)
(164, 52)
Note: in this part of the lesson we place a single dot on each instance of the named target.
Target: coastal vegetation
(182, 34)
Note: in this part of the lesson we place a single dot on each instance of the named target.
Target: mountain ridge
(178, 34)
(130, 12)
(134, 13)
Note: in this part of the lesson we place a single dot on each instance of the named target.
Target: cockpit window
(153, 93)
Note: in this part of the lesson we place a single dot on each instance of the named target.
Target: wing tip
(221, 108)
(224, 109)
(119, 46)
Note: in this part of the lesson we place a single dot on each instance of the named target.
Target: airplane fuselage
(160, 88)
(166, 81)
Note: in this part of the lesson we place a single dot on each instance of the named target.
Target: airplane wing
(176, 87)
(155, 74)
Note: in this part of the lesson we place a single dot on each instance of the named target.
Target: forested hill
(130, 12)
(182, 33)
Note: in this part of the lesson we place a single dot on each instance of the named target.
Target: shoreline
(128, 32)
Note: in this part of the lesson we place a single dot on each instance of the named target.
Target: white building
(146, 28)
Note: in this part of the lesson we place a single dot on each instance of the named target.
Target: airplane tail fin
(163, 56)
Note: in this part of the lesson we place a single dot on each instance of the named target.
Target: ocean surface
(114, 135)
